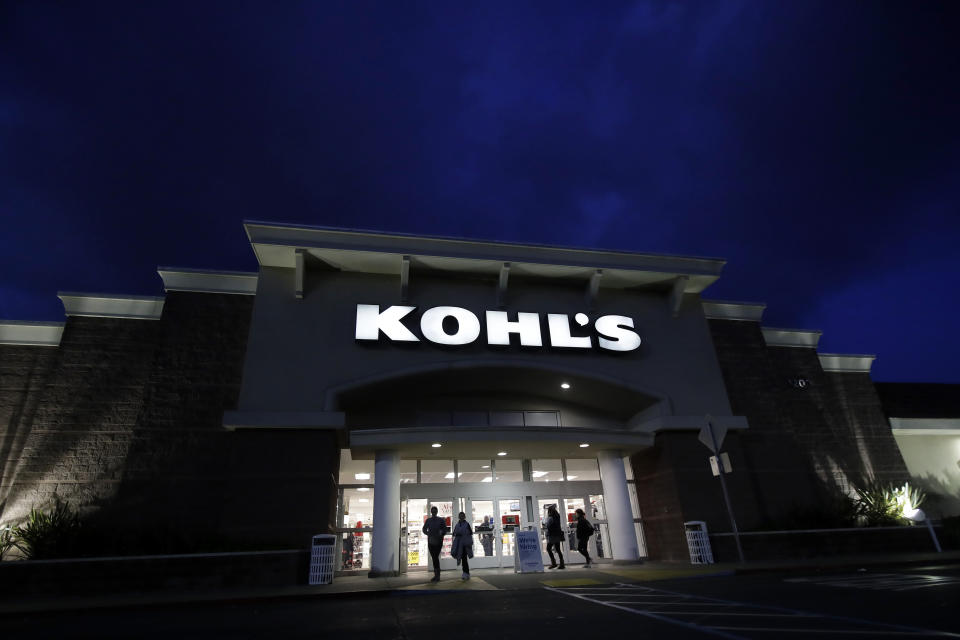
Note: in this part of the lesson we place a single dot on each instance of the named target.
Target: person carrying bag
(584, 531)
(462, 547)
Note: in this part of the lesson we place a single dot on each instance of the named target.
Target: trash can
(321, 559)
(698, 542)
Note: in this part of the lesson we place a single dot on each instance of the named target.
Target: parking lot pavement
(882, 581)
(732, 619)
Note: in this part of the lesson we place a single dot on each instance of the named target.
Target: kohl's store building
(359, 379)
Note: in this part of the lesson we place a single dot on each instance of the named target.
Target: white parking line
(658, 604)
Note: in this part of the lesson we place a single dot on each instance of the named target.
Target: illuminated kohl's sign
(458, 326)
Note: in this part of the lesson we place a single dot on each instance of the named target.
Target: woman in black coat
(554, 536)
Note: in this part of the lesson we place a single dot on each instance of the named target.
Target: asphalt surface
(880, 601)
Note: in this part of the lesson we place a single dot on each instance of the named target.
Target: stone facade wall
(804, 444)
(124, 421)
(74, 442)
(24, 372)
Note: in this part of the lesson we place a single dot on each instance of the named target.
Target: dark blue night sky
(814, 145)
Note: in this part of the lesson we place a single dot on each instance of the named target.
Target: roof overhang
(32, 334)
(103, 305)
(841, 363)
(744, 311)
(791, 337)
(471, 443)
(925, 426)
(206, 281)
(276, 245)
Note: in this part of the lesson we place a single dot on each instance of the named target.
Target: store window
(582, 469)
(436, 471)
(546, 470)
(357, 519)
(355, 471)
(474, 471)
(408, 471)
(509, 470)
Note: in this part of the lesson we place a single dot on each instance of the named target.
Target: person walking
(584, 531)
(486, 537)
(462, 547)
(435, 528)
(554, 536)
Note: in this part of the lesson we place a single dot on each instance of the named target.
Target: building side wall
(24, 374)
(934, 464)
(76, 441)
(128, 428)
(772, 460)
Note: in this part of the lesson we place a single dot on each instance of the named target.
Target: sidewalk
(359, 586)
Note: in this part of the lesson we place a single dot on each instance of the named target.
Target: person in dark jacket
(584, 531)
(462, 548)
(554, 536)
(435, 528)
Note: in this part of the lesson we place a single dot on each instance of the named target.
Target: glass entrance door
(447, 508)
(494, 522)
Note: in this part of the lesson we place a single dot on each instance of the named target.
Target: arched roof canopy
(489, 391)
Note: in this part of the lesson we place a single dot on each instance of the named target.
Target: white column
(384, 558)
(616, 499)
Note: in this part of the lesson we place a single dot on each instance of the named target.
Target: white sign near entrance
(527, 558)
(454, 326)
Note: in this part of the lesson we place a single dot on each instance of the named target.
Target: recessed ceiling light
(363, 500)
(539, 474)
(584, 445)
(362, 476)
(486, 466)
(565, 385)
(364, 489)
(502, 453)
(436, 445)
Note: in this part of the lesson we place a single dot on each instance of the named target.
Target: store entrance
(417, 512)
(494, 522)
(567, 506)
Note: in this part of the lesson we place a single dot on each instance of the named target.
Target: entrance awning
(479, 443)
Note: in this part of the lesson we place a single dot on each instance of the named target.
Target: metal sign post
(713, 443)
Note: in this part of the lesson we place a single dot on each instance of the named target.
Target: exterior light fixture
(584, 445)
(502, 453)
(565, 385)
(361, 476)
(436, 445)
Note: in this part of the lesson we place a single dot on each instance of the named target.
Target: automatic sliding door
(483, 519)
(445, 510)
(510, 523)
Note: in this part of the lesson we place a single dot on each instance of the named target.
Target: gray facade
(218, 414)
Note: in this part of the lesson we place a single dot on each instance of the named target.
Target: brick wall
(76, 437)
(24, 372)
(800, 444)
(124, 420)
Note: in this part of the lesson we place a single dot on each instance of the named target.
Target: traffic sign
(714, 441)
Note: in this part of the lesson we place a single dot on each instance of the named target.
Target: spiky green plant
(8, 540)
(909, 498)
(881, 505)
(49, 534)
